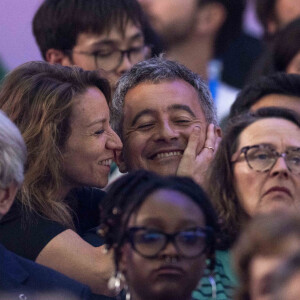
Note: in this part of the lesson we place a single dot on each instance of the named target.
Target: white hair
(13, 153)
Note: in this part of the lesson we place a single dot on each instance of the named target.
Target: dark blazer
(23, 279)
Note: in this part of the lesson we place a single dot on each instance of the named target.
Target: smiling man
(166, 119)
(92, 34)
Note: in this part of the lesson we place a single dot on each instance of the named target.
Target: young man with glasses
(93, 34)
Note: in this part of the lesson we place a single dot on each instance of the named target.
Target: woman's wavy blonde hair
(38, 97)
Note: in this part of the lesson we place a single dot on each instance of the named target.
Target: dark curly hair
(128, 193)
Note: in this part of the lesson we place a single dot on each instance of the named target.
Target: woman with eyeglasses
(256, 169)
(161, 231)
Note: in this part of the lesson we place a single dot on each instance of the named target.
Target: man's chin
(165, 169)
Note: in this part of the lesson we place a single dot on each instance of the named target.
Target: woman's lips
(279, 189)
(169, 270)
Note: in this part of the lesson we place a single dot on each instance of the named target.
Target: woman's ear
(123, 258)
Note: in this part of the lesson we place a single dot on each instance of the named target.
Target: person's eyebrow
(182, 107)
(144, 112)
(97, 122)
(111, 42)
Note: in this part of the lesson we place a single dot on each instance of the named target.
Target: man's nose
(166, 132)
(125, 64)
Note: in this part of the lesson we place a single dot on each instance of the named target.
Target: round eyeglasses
(262, 158)
(189, 243)
(112, 59)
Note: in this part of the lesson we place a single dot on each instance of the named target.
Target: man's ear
(54, 56)
(121, 163)
(7, 196)
(210, 18)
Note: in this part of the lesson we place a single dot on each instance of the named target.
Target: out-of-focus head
(285, 280)
(280, 89)
(150, 222)
(265, 243)
(150, 116)
(63, 115)
(12, 159)
(176, 20)
(91, 33)
(286, 48)
(256, 169)
(275, 14)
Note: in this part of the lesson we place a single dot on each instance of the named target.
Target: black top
(26, 234)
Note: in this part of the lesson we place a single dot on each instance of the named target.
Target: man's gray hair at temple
(156, 70)
(12, 153)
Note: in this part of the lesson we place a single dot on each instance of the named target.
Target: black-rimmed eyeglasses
(111, 60)
(189, 243)
(262, 158)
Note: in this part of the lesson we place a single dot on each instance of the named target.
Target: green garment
(224, 278)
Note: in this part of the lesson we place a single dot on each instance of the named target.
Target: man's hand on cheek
(195, 163)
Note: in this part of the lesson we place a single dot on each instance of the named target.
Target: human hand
(195, 162)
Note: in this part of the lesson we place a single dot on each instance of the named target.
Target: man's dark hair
(57, 23)
(265, 11)
(279, 83)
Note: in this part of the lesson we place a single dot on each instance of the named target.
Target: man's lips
(166, 153)
(278, 189)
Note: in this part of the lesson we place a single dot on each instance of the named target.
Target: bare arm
(69, 254)
(194, 162)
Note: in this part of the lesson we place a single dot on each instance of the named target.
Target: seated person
(166, 119)
(161, 231)
(263, 246)
(21, 278)
(254, 170)
(63, 115)
(280, 89)
(93, 34)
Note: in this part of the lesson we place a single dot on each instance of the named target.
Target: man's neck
(195, 53)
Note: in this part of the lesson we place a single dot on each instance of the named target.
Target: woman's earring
(127, 293)
(116, 282)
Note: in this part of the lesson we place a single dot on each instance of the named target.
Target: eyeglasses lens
(188, 243)
(113, 59)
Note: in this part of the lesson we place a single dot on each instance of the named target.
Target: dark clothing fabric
(239, 58)
(23, 279)
(26, 234)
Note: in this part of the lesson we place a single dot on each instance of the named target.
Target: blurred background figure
(265, 243)
(161, 230)
(285, 279)
(274, 15)
(286, 49)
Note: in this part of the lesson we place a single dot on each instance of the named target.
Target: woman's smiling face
(276, 188)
